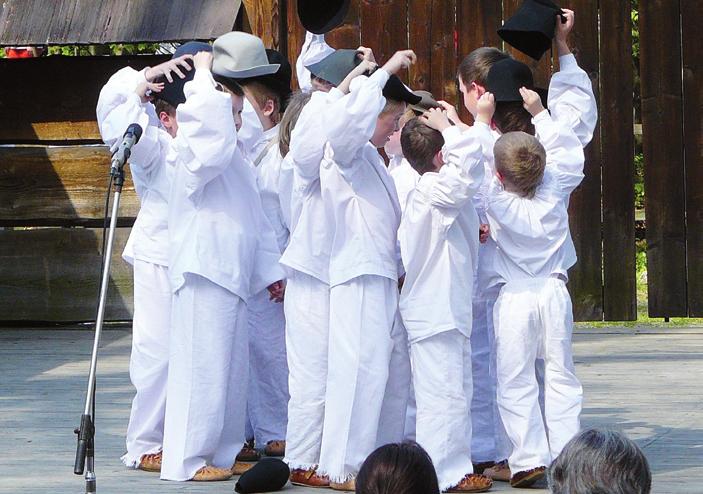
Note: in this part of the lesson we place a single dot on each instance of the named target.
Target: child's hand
(452, 115)
(436, 119)
(145, 88)
(366, 54)
(363, 67)
(486, 107)
(531, 101)
(164, 69)
(277, 291)
(562, 31)
(400, 60)
(202, 60)
(484, 231)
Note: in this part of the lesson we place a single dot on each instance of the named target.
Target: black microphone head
(136, 130)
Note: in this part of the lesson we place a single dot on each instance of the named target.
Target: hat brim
(259, 70)
(514, 97)
(320, 18)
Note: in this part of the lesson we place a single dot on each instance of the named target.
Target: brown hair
(420, 144)
(511, 116)
(262, 93)
(295, 105)
(161, 105)
(230, 84)
(520, 159)
(403, 468)
(475, 66)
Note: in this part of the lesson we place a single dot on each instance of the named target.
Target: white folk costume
(363, 215)
(439, 243)
(306, 304)
(533, 314)
(313, 50)
(268, 370)
(223, 251)
(147, 250)
(404, 177)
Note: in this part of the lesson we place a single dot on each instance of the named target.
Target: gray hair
(600, 462)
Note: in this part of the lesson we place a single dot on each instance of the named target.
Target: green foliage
(639, 181)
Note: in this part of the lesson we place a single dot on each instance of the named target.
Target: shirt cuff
(334, 94)
(567, 61)
(380, 77)
(541, 116)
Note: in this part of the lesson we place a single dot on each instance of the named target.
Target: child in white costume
(223, 251)
(439, 244)
(123, 101)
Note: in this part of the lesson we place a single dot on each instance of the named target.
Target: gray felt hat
(238, 55)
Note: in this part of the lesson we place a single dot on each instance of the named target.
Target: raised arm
(314, 49)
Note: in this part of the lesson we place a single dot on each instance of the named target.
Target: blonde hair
(295, 105)
(520, 159)
(261, 94)
(392, 106)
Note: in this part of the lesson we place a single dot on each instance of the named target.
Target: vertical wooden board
(617, 140)
(295, 35)
(419, 40)
(348, 35)
(477, 25)
(662, 143)
(692, 11)
(265, 21)
(384, 27)
(541, 69)
(443, 51)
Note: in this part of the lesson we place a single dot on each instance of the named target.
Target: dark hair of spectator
(402, 468)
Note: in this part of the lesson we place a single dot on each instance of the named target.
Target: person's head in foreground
(422, 146)
(600, 462)
(402, 468)
(520, 160)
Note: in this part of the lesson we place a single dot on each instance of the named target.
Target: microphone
(124, 150)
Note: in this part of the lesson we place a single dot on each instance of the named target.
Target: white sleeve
(351, 121)
(462, 173)
(207, 139)
(266, 270)
(565, 158)
(571, 101)
(268, 177)
(314, 49)
(251, 130)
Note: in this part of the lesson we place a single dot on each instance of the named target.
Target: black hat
(396, 90)
(321, 16)
(507, 76)
(268, 475)
(531, 28)
(172, 92)
(335, 66)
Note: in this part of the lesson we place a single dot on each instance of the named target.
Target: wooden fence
(54, 176)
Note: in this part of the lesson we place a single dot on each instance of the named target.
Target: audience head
(520, 160)
(290, 117)
(473, 72)
(422, 146)
(403, 468)
(597, 461)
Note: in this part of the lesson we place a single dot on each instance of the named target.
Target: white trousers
(148, 364)
(267, 401)
(362, 312)
(394, 418)
(442, 379)
(533, 318)
(489, 441)
(307, 333)
(207, 379)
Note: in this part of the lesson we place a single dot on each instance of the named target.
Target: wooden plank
(38, 22)
(265, 21)
(58, 185)
(348, 35)
(295, 35)
(443, 52)
(53, 98)
(693, 144)
(420, 23)
(617, 141)
(53, 274)
(662, 143)
(384, 28)
(542, 70)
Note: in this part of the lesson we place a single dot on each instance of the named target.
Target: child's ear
(269, 108)
(438, 160)
(480, 90)
(500, 176)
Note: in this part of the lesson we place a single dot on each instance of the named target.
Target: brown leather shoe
(480, 467)
(347, 485)
(527, 477)
(212, 474)
(240, 467)
(275, 448)
(472, 482)
(308, 478)
(248, 453)
(151, 463)
(500, 471)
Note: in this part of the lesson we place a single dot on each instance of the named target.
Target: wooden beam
(265, 21)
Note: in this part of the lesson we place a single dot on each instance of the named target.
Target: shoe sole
(301, 484)
(528, 480)
(151, 470)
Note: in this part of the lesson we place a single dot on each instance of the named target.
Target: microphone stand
(85, 450)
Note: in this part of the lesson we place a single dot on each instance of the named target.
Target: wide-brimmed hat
(238, 55)
(396, 90)
(427, 101)
(172, 93)
(506, 77)
(321, 16)
(335, 66)
(531, 28)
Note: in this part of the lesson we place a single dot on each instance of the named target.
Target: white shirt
(439, 241)
(404, 176)
(251, 132)
(357, 191)
(150, 163)
(532, 235)
(313, 50)
(216, 222)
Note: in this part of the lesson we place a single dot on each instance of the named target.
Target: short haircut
(520, 159)
(230, 84)
(420, 144)
(262, 93)
(600, 461)
(393, 105)
(403, 468)
(511, 116)
(161, 105)
(475, 66)
(295, 105)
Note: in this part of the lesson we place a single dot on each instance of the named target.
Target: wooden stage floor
(644, 382)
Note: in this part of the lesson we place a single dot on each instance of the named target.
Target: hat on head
(172, 93)
(238, 55)
(506, 77)
(531, 28)
(268, 475)
(321, 16)
(278, 82)
(335, 66)
(396, 90)
(425, 103)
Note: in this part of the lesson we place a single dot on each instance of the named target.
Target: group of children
(294, 295)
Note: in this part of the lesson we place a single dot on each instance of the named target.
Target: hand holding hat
(531, 101)
(401, 59)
